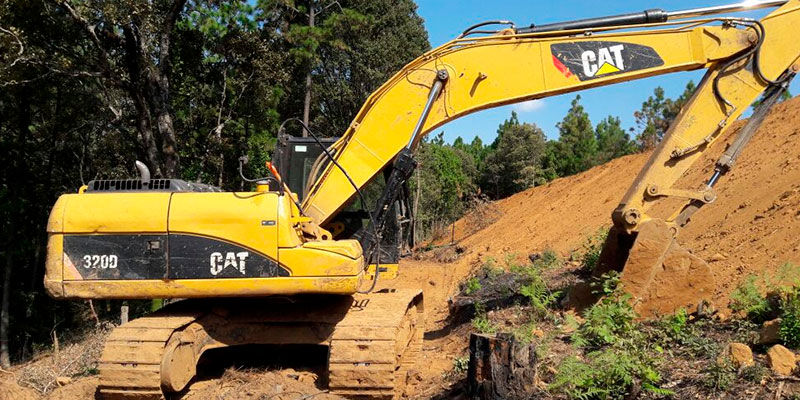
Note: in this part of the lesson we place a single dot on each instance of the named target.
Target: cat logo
(231, 259)
(602, 62)
(593, 59)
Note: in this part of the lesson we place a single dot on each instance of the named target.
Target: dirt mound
(753, 226)
(83, 388)
(9, 390)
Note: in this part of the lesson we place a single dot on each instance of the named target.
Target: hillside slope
(753, 226)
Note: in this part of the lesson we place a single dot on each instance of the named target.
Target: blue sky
(445, 19)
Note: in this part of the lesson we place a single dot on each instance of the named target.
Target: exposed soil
(754, 226)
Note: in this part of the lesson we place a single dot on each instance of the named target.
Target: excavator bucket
(661, 276)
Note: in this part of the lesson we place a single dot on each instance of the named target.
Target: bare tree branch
(90, 30)
(21, 50)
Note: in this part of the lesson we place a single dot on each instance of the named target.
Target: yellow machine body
(188, 244)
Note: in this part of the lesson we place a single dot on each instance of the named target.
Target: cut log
(500, 368)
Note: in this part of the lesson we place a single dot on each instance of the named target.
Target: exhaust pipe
(144, 173)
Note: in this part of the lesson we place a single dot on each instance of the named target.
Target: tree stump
(500, 368)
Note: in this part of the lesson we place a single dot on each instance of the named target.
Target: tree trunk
(169, 144)
(307, 101)
(5, 359)
(416, 207)
(500, 368)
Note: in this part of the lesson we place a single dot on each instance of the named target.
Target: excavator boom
(513, 66)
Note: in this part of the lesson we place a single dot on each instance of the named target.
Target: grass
(608, 373)
(618, 355)
(524, 333)
(460, 365)
(610, 319)
(789, 330)
(747, 298)
(780, 297)
(490, 267)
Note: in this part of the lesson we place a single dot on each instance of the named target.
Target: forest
(188, 87)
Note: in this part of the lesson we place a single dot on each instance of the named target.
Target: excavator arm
(470, 74)
(744, 59)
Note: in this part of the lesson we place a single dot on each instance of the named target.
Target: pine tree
(612, 141)
(515, 162)
(578, 151)
(363, 44)
(657, 114)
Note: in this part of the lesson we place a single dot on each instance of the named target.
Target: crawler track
(376, 344)
(373, 339)
(130, 366)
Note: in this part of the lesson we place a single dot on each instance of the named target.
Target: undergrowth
(539, 295)
(719, 376)
(589, 253)
(619, 357)
(481, 321)
(539, 298)
(610, 319)
(780, 297)
(473, 285)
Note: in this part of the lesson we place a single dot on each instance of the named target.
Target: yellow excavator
(298, 264)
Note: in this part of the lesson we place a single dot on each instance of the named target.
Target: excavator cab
(298, 158)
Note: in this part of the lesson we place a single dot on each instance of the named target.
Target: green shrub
(789, 331)
(460, 365)
(689, 339)
(490, 267)
(719, 376)
(747, 297)
(754, 373)
(481, 321)
(622, 354)
(524, 332)
(541, 298)
(589, 254)
(676, 326)
(607, 374)
(609, 320)
(473, 285)
(549, 259)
